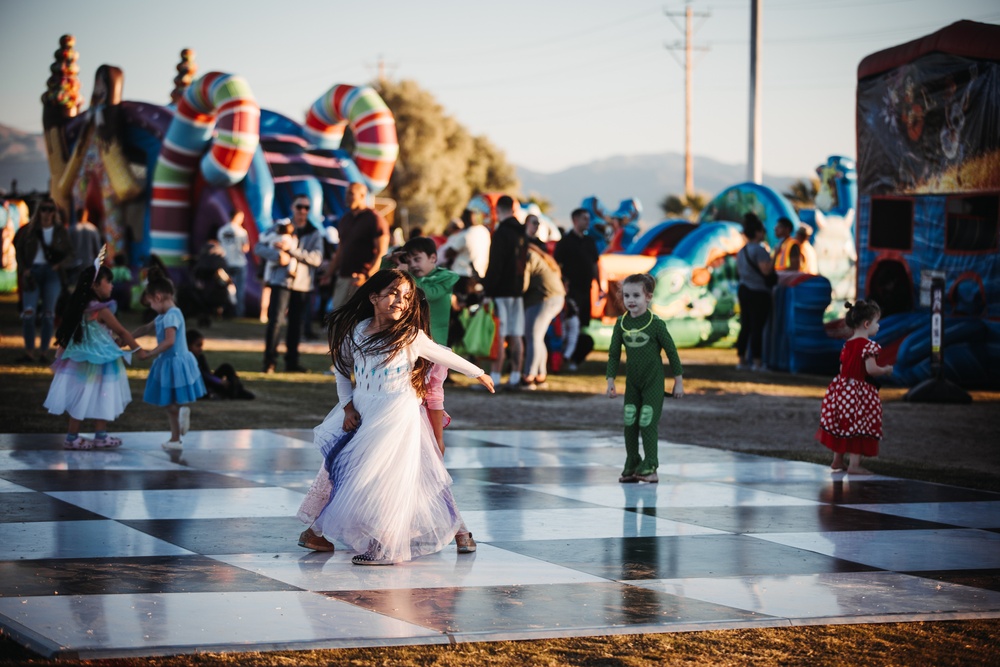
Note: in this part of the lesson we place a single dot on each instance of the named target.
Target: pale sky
(553, 83)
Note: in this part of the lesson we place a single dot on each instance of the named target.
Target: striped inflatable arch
(371, 122)
(217, 103)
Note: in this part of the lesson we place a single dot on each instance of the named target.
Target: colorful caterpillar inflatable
(371, 122)
(217, 103)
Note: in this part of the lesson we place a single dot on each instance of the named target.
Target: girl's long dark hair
(72, 313)
(388, 342)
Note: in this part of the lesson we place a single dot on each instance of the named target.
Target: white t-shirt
(47, 234)
(472, 246)
(233, 240)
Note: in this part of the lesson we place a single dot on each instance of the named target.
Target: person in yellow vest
(808, 262)
(788, 255)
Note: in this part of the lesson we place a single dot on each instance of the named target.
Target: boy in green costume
(420, 255)
(643, 335)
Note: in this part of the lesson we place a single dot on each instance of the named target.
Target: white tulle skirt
(389, 481)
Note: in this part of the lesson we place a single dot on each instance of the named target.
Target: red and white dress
(850, 421)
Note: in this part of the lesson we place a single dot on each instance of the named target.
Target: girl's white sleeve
(424, 347)
(345, 388)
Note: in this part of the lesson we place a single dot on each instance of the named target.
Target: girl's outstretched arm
(424, 347)
(107, 318)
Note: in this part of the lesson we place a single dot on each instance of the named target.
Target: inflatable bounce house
(13, 216)
(161, 179)
(694, 265)
(928, 123)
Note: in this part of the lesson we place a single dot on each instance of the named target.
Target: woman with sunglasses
(43, 251)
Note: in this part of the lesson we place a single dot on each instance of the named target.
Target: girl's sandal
(78, 443)
(109, 442)
(465, 543)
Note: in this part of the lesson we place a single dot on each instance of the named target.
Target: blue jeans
(42, 298)
(239, 276)
(537, 321)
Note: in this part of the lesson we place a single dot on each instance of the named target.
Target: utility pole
(688, 66)
(381, 68)
(755, 162)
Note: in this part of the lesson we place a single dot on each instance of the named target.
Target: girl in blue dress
(174, 379)
(90, 381)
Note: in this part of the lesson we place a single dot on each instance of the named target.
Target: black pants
(282, 300)
(755, 308)
(234, 386)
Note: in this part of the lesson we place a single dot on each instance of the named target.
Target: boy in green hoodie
(420, 255)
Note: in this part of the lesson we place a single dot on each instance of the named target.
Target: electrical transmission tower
(688, 64)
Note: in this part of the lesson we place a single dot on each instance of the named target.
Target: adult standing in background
(808, 263)
(576, 253)
(788, 255)
(86, 241)
(364, 240)
(43, 250)
(753, 263)
(504, 284)
(289, 288)
(544, 297)
(236, 243)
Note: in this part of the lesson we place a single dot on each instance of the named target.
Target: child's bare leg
(101, 425)
(173, 412)
(838, 462)
(74, 426)
(854, 467)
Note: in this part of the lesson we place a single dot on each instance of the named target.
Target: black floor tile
(226, 536)
(789, 519)
(857, 492)
(121, 480)
(116, 576)
(17, 507)
(624, 558)
(496, 609)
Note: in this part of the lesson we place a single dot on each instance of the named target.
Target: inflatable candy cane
(216, 103)
(370, 120)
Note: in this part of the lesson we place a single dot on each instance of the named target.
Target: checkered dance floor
(132, 552)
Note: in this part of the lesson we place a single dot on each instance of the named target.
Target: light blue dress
(174, 377)
(90, 380)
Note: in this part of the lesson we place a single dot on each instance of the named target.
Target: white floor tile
(487, 566)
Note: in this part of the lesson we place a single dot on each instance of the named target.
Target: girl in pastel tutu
(850, 420)
(174, 379)
(90, 380)
(391, 499)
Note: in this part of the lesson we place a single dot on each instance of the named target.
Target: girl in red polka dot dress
(850, 421)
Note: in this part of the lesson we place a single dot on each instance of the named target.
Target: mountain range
(22, 157)
(648, 178)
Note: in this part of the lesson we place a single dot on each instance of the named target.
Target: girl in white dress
(391, 497)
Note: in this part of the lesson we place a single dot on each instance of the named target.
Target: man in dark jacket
(504, 285)
(577, 255)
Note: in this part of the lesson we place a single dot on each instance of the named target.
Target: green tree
(684, 206)
(440, 164)
(802, 193)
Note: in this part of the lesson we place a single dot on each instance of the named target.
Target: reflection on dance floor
(137, 552)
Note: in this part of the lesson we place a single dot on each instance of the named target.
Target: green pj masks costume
(643, 338)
